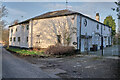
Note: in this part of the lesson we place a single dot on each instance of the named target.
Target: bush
(60, 50)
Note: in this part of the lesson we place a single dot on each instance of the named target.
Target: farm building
(63, 27)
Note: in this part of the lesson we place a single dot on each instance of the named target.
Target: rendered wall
(21, 32)
(45, 31)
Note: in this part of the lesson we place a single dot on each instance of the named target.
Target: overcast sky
(32, 9)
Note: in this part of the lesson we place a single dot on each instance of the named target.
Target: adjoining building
(63, 27)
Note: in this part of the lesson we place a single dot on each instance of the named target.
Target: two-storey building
(64, 27)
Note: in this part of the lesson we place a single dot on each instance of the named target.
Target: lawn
(27, 52)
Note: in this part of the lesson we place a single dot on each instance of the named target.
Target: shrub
(36, 49)
(60, 50)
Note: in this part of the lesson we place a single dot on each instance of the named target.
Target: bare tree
(3, 23)
(64, 28)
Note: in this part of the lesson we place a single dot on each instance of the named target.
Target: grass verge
(24, 52)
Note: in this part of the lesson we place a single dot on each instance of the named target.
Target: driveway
(14, 67)
(79, 66)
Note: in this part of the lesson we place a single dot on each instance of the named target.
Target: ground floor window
(10, 38)
(14, 39)
(59, 38)
(18, 39)
(27, 39)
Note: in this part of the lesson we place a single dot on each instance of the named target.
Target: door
(86, 44)
(108, 40)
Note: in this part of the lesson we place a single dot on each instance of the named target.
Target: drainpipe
(111, 38)
(80, 33)
(102, 40)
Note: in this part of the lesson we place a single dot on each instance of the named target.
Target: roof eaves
(94, 20)
(72, 12)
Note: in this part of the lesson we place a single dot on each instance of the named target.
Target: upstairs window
(18, 39)
(104, 27)
(97, 26)
(27, 27)
(59, 38)
(11, 30)
(16, 29)
(14, 39)
(23, 27)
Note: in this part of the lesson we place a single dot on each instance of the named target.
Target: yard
(76, 66)
(79, 66)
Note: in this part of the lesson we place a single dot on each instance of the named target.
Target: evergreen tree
(109, 21)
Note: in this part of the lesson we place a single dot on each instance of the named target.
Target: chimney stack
(97, 17)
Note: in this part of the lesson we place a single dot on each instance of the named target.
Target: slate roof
(56, 14)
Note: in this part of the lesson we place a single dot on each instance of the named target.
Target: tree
(62, 26)
(117, 9)
(3, 31)
(5, 36)
(109, 21)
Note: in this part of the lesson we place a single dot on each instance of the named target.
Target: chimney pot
(97, 17)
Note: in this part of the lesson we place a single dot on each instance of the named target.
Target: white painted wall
(21, 32)
(90, 30)
(43, 32)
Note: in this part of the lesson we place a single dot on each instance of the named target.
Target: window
(104, 27)
(22, 27)
(18, 39)
(27, 39)
(97, 26)
(11, 39)
(27, 27)
(11, 30)
(59, 38)
(16, 29)
(14, 39)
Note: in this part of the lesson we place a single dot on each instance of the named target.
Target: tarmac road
(14, 67)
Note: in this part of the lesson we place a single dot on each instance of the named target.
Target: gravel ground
(80, 66)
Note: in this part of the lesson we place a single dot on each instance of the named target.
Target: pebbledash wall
(41, 33)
